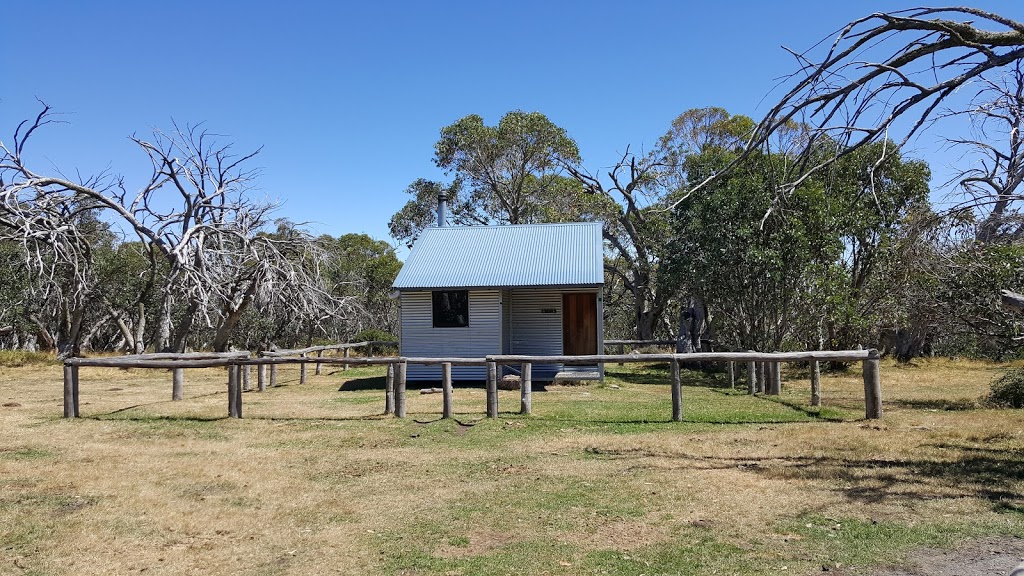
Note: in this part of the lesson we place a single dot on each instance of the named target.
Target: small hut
(535, 289)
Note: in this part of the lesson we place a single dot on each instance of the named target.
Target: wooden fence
(319, 350)
(763, 373)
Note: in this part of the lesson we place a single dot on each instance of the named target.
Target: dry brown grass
(317, 481)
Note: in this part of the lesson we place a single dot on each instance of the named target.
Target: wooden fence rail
(763, 373)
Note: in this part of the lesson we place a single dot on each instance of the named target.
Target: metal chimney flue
(442, 209)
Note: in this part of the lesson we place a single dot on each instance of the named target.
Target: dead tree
(994, 153)
(879, 69)
(194, 215)
(634, 228)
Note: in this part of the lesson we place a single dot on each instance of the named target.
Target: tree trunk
(163, 332)
(684, 342)
(42, 333)
(139, 343)
(230, 319)
(184, 327)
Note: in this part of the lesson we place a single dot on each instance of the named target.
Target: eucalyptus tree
(632, 198)
(815, 271)
(629, 202)
(511, 173)
(363, 270)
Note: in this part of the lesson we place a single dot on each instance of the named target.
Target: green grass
(598, 480)
(24, 453)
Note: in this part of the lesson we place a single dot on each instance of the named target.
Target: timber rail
(763, 371)
(345, 349)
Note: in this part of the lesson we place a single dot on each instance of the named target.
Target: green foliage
(504, 174)
(421, 211)
(374, 334)
(364, 268)
(1008, 389)
(960, 285)
(809, 267)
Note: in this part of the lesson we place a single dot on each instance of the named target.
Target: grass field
(597, 481)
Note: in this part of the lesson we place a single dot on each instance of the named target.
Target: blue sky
(347, 98)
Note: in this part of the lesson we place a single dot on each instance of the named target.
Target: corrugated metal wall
(537, 327)
(506, 321)
(480, 338)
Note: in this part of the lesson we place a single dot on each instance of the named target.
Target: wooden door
(579, 324)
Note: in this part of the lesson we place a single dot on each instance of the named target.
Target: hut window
(451, 308)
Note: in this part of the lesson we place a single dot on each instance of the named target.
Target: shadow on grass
(953, 474)
(110, 416)
(946, 405)
(816, 412)
(658, 374)
(379, 383)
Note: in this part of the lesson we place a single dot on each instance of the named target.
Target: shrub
(1008, 389)
(373, 334)
(19, 358)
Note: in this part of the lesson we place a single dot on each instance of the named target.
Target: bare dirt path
(983, 557)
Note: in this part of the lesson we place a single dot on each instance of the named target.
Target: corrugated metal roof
(568, 254)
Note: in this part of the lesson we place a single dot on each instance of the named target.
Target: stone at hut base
(510, 382)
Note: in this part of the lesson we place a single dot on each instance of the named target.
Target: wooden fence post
(70, 391)
(776, 378)
(319, 366)
(815, 383)
(74, 390)
(246, 376)
(389, 390)
(620, 350)
(261, 377)
(446, 390)
(273, 375)
(345, 353)
(872, 387)
(177, 384)
(302, 371)
(677, 393)
(760, 377)
(234, 392)
(732, 375)
(400, 373)
(238, 393)
(369, 349)
(526, 389)
(492, 390)
(751, 377)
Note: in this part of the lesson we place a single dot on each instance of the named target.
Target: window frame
(438, 314)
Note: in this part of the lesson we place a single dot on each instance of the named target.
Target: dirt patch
(984, 557)
(479, 543)
(621, 536)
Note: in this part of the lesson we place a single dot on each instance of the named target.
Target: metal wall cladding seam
(537, 327)
(506, 321)
(505, 256)
(480, 338)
